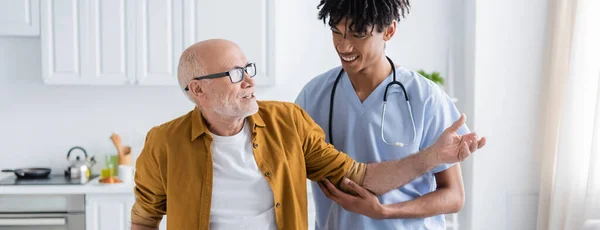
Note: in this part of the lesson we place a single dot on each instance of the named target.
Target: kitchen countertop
(92, 187)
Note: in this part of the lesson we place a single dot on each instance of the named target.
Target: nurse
(348, 103)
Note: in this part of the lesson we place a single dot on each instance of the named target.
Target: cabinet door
(112, 52)
(63, 36)
(108, 212)
(159, 41)
(250, 24)
(19, 18)
(111, 212)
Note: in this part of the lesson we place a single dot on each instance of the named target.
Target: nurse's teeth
(349, 58)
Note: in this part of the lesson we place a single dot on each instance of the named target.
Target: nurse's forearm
(434, 203)
(385, 176)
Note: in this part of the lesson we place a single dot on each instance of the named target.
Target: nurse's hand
(451, 147)
(365, 203)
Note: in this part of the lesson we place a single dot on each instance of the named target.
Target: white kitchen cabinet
(248, 23)
(119, 42)
(87, 42)
(111, 44)
(62, 34)
(108, 212)
(111, 212)
(19, 17)
(160, 41)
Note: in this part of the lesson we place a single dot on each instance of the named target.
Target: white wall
(40, 122)
(508, 58)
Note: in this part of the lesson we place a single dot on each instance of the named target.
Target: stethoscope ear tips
(398, 144)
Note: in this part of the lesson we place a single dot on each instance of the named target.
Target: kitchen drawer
(42, 203)
(45, 221)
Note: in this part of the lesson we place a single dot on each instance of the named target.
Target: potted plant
(437, 79)
(433, 76)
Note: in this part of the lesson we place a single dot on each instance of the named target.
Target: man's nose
(247, 81)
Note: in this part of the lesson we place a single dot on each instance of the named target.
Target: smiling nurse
(375, 111)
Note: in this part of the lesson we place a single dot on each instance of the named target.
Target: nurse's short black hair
(363, 13)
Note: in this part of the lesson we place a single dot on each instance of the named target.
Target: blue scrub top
(357, 132)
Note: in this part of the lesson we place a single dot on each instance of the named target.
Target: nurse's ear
(389, 31)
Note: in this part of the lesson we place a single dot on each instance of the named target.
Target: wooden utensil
(116, 139)
(123, 152)
(125, 156)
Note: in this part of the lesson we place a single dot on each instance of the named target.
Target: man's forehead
(226, 60)
(349, 27)
(234, 62)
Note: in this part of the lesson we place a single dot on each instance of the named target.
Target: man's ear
(389, 31)
(197, 88)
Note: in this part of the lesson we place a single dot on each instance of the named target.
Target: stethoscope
(394, 82)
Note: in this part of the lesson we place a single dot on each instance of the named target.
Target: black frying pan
(30, 173)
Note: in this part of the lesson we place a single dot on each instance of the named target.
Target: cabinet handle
(33, 222)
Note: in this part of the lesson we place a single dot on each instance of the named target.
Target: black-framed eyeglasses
(235, 75)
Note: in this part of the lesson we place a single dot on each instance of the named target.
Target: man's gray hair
(190, 66)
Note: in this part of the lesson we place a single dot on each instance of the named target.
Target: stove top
(50, 180)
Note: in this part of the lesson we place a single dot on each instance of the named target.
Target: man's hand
(451, 148)
(365, 203)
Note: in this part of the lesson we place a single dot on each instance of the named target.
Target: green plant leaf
(434, 76)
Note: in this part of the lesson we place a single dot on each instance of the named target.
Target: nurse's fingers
(457, 124)
(482, 142)
(469, 138)
(335, 191)
(464, 151)
(473, 145)
(325, 190)
(362, 192)
(472, 141)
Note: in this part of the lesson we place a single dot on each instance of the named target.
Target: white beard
(229, 109)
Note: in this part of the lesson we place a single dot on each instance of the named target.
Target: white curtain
(570, 175)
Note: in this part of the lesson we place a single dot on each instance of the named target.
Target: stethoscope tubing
(394, 82)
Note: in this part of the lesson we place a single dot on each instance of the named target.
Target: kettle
(80, 169)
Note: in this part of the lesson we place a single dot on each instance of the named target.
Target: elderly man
(235, 163)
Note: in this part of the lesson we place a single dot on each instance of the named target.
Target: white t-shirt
(241, 196)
